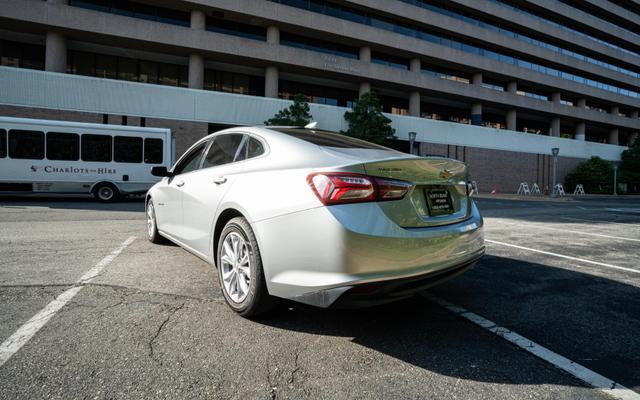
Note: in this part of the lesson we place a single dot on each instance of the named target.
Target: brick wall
(504, 170)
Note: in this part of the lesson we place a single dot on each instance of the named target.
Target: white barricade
(535, 189)
(579, 190)
(558, 190)
(523, 189)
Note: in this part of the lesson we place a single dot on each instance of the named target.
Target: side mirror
(160, 171)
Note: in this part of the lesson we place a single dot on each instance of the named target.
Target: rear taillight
(340, 188)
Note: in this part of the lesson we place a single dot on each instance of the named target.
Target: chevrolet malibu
(315, 217)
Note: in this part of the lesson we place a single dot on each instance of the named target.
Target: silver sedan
(315, 217)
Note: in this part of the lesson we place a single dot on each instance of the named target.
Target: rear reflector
(340, 188)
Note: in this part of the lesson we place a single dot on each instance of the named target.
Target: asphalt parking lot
(151, 322)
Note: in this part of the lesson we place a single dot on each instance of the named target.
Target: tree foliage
(630, 167)
(595, 174)
(296, 115)
(366, 121)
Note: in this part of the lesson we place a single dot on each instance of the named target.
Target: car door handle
(219, 180)
(180, 184)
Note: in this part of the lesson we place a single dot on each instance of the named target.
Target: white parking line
(601, 221)
(542, 226)
(624, 210)
(10, 346)
(586, 375)
(582, 260)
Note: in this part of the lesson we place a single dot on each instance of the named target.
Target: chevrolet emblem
(446, 174)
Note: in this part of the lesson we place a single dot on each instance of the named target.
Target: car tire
(106, 192)
(152, 224)
(254, 300)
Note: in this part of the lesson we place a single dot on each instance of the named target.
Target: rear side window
(127, 149)
(255, 148)
(330, 139)
(27, 145)
(225, 149)
(153, 151)
(3, 143)
(96, 148)
(63, 146)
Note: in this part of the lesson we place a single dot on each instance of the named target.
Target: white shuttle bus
(108, 161)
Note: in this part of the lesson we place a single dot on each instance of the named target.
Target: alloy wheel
(236, 267)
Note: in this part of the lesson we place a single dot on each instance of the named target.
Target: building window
(28, 145)
(136, 10)
(153, 151)
(63, 146)
(317, 94)
(229, 82)
(128, 69)
(221, 25)
(21, 55)
(390, 61)
(127, 149)
(322, 46)
(96, 148)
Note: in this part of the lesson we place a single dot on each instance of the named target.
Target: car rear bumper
(318, 255)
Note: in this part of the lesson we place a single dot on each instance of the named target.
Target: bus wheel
(106, 192)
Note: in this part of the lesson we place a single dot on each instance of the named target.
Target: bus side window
(28, 145)
(153, 151)
(96, 148)
(63, 146)
(127, 149)
(3, 143)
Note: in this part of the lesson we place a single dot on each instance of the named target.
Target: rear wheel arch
(222, 220)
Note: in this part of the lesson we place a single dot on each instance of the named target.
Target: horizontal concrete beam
(29, 88)
(508, 44)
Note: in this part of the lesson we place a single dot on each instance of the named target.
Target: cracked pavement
(154, 324)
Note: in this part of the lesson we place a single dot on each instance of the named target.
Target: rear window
(329, 139)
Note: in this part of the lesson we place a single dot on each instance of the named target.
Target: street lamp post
(555, 152)
(412, 140)
(615, 179)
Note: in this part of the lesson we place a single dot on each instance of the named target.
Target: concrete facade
(539, 69)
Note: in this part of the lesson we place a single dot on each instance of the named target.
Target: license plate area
(439, 202)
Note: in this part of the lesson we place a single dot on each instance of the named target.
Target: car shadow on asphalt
(129, 204)
(590, 320)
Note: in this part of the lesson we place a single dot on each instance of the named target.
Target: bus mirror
(160, 171)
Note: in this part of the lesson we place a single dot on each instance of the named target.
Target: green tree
(595, 174)
(366, 121)
(630, 167)
(296, 115)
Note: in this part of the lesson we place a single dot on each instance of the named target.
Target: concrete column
(615, 110)
(196, 71)
(555, 127)
(477, 78)
(512, 122)
(581, 103)
(273, 34)
(365, 54)
(512, 87)
(476, 114)
(580, 131)
(634, 114)
(365, 87)
(614, 136)
(414, 104)
(415, 65)
(556, 97)
(56, 52)
(198, 20)
(271, 77)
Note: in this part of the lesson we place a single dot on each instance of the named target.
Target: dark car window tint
(3, 143)
(192, 161)
(127, 149)
(223, 150)
(255, 148)
(27, 145)
(153, 153)
(63, 146)
(330, 139)
(96, 148)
